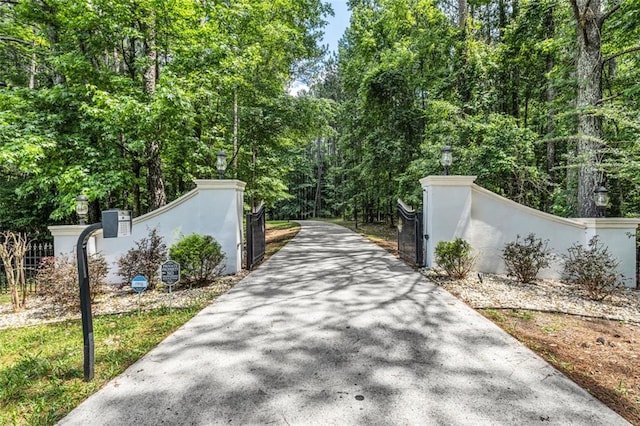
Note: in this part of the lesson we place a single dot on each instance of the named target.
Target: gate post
(447, 210)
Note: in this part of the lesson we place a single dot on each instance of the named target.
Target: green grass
(377, 230)
(5, 298)
(281, 224)
(41, 367)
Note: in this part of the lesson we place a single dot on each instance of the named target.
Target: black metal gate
(256, 240)
(410, 235)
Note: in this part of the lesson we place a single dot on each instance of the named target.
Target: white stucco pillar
(220, 210)
(65, 239)
(447, 210)
(619, 236)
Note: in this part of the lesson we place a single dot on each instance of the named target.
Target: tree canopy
(538, 98)
(128, 102)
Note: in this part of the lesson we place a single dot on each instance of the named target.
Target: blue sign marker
(139, 283)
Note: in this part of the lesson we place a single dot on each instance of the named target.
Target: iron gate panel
(410, 235)
(256, 238)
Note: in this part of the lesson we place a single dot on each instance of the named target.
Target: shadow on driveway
(334, 330)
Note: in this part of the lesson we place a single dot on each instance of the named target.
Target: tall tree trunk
(589, 16)
(235, 133)
(463, 12)
(155, 181)
(551, 96)
(317, 205)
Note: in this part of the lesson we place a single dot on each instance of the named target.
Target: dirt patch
(278, 237)
(599, 355)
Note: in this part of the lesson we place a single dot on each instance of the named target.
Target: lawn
(41, 367)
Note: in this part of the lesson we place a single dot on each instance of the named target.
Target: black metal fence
(36, 251)
(256, 238)
(410, 235)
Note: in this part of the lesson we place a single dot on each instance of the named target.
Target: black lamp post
(447, 159)
(82, 208)
(601, 198)
(221, 164)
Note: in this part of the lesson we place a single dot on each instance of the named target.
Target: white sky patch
(297, 87)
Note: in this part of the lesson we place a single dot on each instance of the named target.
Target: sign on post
(170, 273)
(139, 283)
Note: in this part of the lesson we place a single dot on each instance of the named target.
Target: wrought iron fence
(256, 237)
(410, 239)
(36, 251)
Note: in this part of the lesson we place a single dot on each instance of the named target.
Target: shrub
(524, 259)
(57, 279)
(145, 259)
(455, 257)
(200, 258)
(592, 269)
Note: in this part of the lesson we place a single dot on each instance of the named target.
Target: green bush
(200, 258)
(57, 279)
(592, 269)
(455, 257)
(524, 259)
(145, 259)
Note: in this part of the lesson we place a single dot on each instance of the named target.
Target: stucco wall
(456, 207)
(214, 208)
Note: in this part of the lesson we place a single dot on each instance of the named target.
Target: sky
(337, 24)
(332, 33)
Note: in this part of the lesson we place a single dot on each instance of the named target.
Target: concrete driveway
(333, 330)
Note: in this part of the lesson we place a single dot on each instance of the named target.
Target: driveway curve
(333, 330)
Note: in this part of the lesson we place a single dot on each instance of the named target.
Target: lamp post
(447, 159)
(82, 208)
(221, 164)
(601, 198)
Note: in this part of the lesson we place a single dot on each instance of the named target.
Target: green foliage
(145, 259)
(592, 269)
(57, 280)
(84, 109)
(455, 257)
(200, 258)
(524, 259)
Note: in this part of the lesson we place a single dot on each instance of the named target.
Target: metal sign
(170, 272)
(139, 283)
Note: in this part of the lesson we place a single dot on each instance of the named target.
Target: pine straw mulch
(596, 344)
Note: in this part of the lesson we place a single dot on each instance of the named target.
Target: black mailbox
(116, 223)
